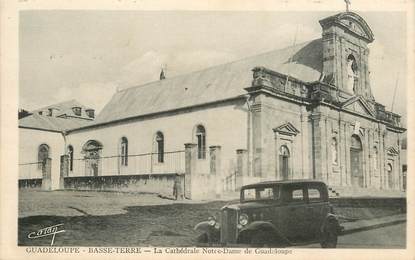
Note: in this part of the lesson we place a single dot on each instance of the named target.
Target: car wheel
(202, 238)
(260, 238)
(329, 237)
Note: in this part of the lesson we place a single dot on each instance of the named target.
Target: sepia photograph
(201, 131)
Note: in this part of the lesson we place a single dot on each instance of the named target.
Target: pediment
(358, 105)
(351, 22)
(287, 129)
(354, 27)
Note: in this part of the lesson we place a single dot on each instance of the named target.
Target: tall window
(160, 147)
(70, 154)
(124, 151)
(390, 175)
(334, 149)
(283, 161)
(201, 142)
(42, 155)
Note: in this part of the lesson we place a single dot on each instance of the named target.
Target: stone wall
(276, 123)
(376, 139)
(29, 142)
(157, 183)
(225, 124)
(30, 184)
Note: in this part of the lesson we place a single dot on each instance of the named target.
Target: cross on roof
(348, 3)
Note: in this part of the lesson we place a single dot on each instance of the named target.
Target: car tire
(202, 238)
(329, 237)
(260, 239)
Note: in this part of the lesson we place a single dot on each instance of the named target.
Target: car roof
(270, 183)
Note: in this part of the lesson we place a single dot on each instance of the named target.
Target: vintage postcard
(138, 129)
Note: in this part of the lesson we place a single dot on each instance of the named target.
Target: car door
(317, 207)
(293, 212)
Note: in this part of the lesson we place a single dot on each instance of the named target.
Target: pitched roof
(58, 122)
(65, 109)
(50, 123)
(302, 61)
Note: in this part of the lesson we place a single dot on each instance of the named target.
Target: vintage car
(275, 213)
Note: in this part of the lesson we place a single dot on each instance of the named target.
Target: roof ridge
(216, 66)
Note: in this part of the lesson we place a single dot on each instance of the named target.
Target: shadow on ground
(160, 225)
(151, 225)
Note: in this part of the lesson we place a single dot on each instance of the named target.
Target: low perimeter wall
(32, 184)
(373, 202)
(162, 184)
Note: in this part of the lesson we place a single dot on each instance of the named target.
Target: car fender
(203, 226)
(213, 232)
(330, 219)
(261, 226)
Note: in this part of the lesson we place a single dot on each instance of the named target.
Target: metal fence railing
(149, 163)
(31, 170)
(229, 182)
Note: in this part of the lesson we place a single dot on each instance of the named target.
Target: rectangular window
(160, 151)
(314, 195)
(201, 146)
(294, 194)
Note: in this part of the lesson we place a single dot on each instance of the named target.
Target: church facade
(304, 112)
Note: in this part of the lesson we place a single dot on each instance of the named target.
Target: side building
(303, 112)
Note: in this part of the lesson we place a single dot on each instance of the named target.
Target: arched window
(351, 74)
(70, 154)
(42, 155)
(201, 142)
(334, 149)
(160, 147)
(124, 151)
(389, 171)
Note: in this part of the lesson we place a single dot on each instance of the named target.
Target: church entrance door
(356, 162)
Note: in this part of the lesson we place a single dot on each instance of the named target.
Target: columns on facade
(348, 135)
(190, 167)
(64, 170)
(257, 138)
(47, 174)
(317, 128)
(241, 166)
(278, 175)
(215, 169)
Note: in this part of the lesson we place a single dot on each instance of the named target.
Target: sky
(88, 55)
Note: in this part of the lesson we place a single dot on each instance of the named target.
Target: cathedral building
(303, 112)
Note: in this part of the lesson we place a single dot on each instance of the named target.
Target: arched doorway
(389, 171)
(42, 155)
(92, 150)
(356, 163)
(284, 157)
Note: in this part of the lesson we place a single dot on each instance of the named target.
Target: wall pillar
(47, 174)
(190, 167)
(241, 166)
(317, 145)
(257, 140)
(215, 170)
(64, 170)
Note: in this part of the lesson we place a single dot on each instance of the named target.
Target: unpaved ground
(124, 219)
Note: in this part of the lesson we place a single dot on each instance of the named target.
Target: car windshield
(260, 193)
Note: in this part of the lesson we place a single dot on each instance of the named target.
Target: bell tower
(345, 53)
